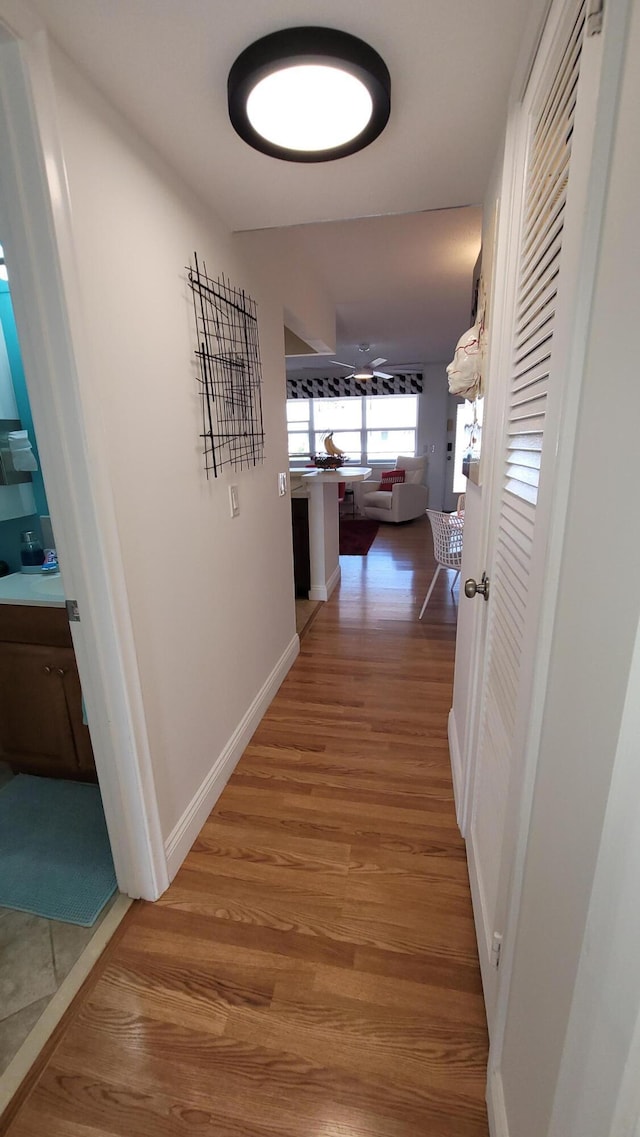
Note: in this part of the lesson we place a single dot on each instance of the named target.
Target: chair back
(448, 530)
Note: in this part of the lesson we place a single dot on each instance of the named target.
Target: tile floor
(36, 955)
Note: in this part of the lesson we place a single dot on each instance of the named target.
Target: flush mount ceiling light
(309, 94)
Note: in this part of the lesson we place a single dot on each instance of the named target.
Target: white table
(322, 488)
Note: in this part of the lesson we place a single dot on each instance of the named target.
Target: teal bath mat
(55, 857)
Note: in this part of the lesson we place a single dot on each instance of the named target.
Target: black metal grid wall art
(230, 373)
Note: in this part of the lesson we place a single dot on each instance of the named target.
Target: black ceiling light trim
(309, 45)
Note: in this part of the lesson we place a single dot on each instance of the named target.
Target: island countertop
(32, 588)
(342, 474)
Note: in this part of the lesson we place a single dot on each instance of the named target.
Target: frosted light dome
(309, 94)
(309, 107)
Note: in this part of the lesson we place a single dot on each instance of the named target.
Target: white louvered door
(534, 378)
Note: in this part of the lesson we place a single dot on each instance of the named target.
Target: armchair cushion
(405, 501)
(390, 477)
(379, 499)
(413, 468)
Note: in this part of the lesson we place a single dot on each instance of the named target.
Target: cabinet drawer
(29, 624)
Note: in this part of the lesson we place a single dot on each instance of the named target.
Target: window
(467, 415)
(344, 418)
(374, 429)
(392, 422)
(298, 427)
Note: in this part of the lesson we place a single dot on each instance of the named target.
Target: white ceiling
(164, 64)
(401, 284)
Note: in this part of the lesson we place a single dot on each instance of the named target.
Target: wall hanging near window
(230, 376)
(339, 387)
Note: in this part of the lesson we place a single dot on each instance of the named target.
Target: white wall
(586, 730)
(307, 308)
(598, 1085)
(432, 430)
(211, 598)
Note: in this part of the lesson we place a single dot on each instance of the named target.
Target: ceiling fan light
(309, 94)
(363, 373)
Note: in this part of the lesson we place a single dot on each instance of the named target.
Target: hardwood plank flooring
(312, 971)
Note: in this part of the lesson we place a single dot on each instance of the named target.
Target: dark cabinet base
(41, 727)
(301, 559)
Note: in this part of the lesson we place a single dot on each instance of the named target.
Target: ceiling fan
(364, 371)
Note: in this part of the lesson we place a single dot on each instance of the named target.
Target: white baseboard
(333, 580)
(496, 1107)
(484, 930)
(323, 591)
(456, 768)
(186, 830)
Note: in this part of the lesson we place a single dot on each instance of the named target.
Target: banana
(331, 447)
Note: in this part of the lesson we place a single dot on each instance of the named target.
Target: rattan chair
(447, 530)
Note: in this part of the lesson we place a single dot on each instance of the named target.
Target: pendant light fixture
(309, 94)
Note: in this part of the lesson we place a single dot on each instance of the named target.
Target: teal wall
(10, 331)
(10, 530)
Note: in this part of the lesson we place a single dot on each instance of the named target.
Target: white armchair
(405, 501)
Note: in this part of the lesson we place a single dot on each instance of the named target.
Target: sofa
(403, 501)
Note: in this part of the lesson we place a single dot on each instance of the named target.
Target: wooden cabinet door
(41, 729)
(65, 661)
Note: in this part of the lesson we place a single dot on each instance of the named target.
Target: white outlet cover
(282, 485)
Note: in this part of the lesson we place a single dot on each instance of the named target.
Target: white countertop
(342, 474)
(37, 589)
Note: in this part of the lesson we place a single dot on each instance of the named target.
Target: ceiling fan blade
(337, 362)
(382, 375)
(377, 362)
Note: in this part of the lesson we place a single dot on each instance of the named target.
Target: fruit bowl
(328, 461)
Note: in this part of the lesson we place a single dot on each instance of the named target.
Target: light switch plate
(234, 503)
(282, 485)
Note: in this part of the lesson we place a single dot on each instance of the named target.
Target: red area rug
(356, 537)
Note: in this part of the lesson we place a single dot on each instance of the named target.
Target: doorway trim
(589, 187)
(36, 223)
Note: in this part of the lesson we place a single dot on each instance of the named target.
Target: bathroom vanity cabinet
(41, 727)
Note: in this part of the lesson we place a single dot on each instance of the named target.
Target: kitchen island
(321, 489)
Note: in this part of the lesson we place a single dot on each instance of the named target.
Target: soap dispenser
(31, 553)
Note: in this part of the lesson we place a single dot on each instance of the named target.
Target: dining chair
(447, 530)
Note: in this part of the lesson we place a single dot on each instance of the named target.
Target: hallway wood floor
(312, 971)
